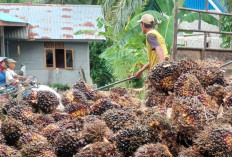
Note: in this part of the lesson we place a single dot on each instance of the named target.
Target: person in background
(11, 77)
(2, 71)
(156, 47)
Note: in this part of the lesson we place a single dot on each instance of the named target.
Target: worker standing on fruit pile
(156, 48)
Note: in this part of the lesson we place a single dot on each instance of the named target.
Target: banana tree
(128, 51)
(131, 40)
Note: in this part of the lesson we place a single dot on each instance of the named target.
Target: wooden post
(2, 44)
(174, 51)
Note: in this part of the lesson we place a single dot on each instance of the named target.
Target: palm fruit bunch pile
(187, 113)
(215, 141)
(195, 96)
(33, 124)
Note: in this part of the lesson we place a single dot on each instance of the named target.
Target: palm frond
(118, 14)
(228, 4)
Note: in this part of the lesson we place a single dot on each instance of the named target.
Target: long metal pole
(127, 79)
(175, 30)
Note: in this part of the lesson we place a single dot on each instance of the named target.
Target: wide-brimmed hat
(147, 19)
(10, 61)
(2, 59)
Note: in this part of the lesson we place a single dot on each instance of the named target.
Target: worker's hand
(130, 75)
(138, 74)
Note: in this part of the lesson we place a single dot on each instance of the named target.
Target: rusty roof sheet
(57, 22)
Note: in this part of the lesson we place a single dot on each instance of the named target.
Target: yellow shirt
(152, 55)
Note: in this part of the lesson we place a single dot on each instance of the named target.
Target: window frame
(65, 59)
(54, 59)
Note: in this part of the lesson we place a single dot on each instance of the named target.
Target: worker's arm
(20, 77)
(10, 79)
(160, 53)
(139, 73)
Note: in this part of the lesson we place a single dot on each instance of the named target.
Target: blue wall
(197, 4)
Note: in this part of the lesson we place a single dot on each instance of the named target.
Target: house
(196, 40)
(42, 38)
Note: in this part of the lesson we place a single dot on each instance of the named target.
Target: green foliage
(13, 1)
(128, 50)
(99, 71)
(60, 86)
(89, 2)
(227, 27)
(228, 4)
(117, 12)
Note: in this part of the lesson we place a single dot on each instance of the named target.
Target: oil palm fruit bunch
(119, 90)
(215, 141)
(103, 149)
(36, 149)
(47, 153)
(73, 95)
(117, 119)
(67, 143)
(226, 117)
(22, 113)
(228, 100)
(58, 115)
(130, 139)
(6, 151)
(74, 125)
(189, 117)
(164, 76)
(155, 97)
(188, 85)
(157, 150)
(43, 120)
(210, 75)
(12, 130)
(101, 105)
(94, 131)
(188, 65)
(51, 131)
(84, 88)
(77, 110)
(190, 152)
(217, 93)
(45, 101)
(12, 103)
(8, 105)
(2, 139)
(159, 124)
(30, 137)
(206, 100)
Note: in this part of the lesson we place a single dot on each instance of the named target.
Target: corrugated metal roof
(197, 4)
(57, 21)
(220, 6)
(200, 4)
(8, 18)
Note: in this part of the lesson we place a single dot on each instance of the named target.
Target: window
(58, 57)
(49, 57)
(69, 59)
